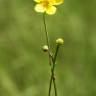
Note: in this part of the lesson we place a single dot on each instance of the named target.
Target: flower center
(45, 4)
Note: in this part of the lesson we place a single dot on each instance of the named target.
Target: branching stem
(52, 60)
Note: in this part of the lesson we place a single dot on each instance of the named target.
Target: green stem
(47, 38)
(52, 72)
(50, 85)
(49, 53)
(55, 87)
(55, 56)
(47, 35)
(53, 69)
(51, 60)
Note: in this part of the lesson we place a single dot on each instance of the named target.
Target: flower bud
(59, 41)
(45, 48)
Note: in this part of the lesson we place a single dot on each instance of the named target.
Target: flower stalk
(47, 38)
(49, 7)
(52, 59)
(53, 73)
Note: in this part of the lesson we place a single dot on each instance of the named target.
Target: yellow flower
(47, 6)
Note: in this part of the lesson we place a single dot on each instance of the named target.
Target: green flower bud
(45, 48)
(59, 41)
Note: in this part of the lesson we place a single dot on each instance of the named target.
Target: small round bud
(59, 41)
(45, 48)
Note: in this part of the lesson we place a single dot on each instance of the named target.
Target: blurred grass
(24, 69)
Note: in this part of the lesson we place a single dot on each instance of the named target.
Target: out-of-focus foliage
(24, 69)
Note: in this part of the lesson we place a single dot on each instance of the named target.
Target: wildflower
(59, 41)
(47, 6)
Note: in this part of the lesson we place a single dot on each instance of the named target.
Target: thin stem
(55, 56)
(50, 85)
(54, 63)
(55, 87)
(51, 60)
(49, 53)
(47, 35)
(54, 60)
(47, 38)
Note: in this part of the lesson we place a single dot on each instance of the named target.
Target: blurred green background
(24, 68)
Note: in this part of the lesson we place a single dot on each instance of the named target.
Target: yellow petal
(38, 1)
(51, 10)
(39, 8)
(56, 2)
